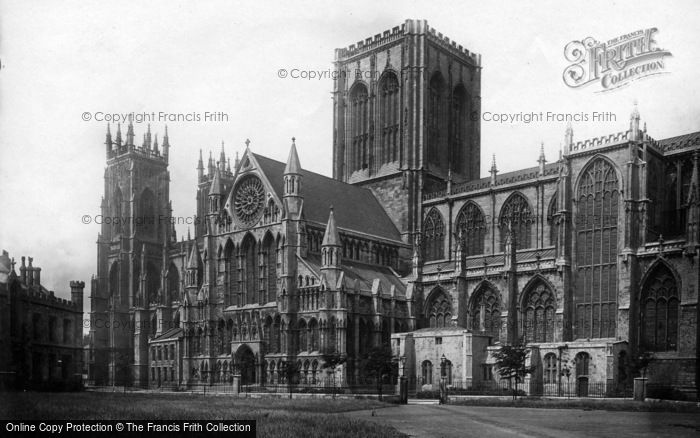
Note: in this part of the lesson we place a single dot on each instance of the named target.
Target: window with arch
(146, 218)
(550, 368)
(552, 216)
(389, 117)
(486, 311)
(359, 127)
(458, 128)
(230, 275)
(433, 236)
(427, 372)
(539, 308)
(269, 286)
(117, 202)
(448, 372)
(249, 263)
(659, 311)
(516, 218)
(583, 363)
(471, 229)
(439, 309)
(436, 118)
(595, 295)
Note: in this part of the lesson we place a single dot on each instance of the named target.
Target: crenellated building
(590, 259)
(40, 334)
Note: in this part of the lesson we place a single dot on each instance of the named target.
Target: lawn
(586, 404)
(275, 417)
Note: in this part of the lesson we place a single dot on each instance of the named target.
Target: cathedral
(590, 259)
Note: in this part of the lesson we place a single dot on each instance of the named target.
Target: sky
(61, 60)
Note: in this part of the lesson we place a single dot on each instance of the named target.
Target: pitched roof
(365, 274)
(356, 208)
(293, 165)
(680, 141)
(330, 237)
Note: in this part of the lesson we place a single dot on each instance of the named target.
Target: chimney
(76, 293)
(23, 272)
(30, 272)
(37, 276)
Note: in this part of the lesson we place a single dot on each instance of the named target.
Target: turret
(693, 202)
(108, 142)
(215, 192)
(200, 167)
(292, 183)
(166, 145)
(493, 170)
(130, 136)
(634, 134)
(155, 145)
(119, 136)
(76, 293)
(568, 138)
(210, 166)
(330, 253)
(541, 160)
(222, 158)
(148, 137)
(192, 280)
(23, 271)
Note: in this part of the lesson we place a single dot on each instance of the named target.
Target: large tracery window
(539, 315)
(439, 309)
(486, 311)
(516, 217)
(595, 295)
(389, 114)
(471, 229)
(659, 311)
(359, 127)
(250, 269)
(433, 236)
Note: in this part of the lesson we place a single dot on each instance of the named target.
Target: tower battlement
(149, 148)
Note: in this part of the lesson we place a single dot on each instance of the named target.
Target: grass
(275, 417)
(587, 404)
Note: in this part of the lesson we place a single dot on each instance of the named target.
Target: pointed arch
(172, 292)
(249, 265)
(117, 210)
(659, 308)
(470, 226)
(438, 309)
(485, 310)
(146, 215)
(359, 127)
(433, 236)
(597, 213)
(516, 216)
(230, 274)
(270, 268)
(538, 304)
(389, 116)
(437, 119)
(458, 127)
(552, 217)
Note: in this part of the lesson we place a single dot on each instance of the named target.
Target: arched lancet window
(117, 203)
(270, 255)
(486, 312)
(595, 294)
(458, 128)
(173, 287)
(539, 308)
(550, 368)
(359, 127)
(313, 329)
(448, 372)
(146, 218)
(303, 345)
(433, 236)
(439, 309)
(276, 335)
(659, 311)
(231, 275)
(552, 213)
(389, 117)
(471, 229)
(250, 268)
(150, 295)
(583, 362)
(427, 372)
(436, 119)
(516, 217)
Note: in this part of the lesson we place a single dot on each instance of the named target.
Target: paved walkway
(471, 421)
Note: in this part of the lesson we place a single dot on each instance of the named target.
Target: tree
(333, 360)
(378, 363)
(511, 364)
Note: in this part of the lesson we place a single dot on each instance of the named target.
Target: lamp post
(403, 386)
(443, 380)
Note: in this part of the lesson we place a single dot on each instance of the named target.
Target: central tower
(406, 107)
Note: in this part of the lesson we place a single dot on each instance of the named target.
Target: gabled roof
(680, 141)
(173, 333)
(365, 274)
(355, 207)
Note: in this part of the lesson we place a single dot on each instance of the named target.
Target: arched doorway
(245, 363)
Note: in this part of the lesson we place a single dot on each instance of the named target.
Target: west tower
(131, 251)
(405, 117)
